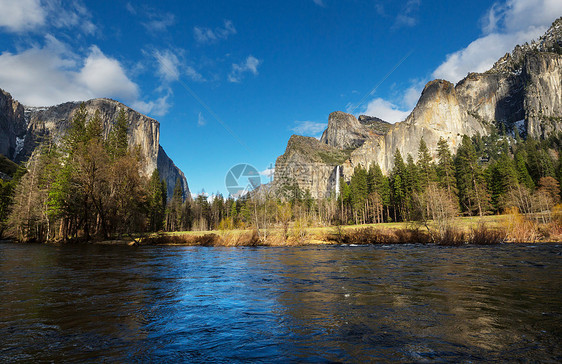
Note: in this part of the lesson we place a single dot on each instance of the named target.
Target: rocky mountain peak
(513, 62)
(376, 125)
(23, 128)
(344, 131)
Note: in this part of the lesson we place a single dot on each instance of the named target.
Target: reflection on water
(405, 303)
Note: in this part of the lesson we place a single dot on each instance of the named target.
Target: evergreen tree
(398, 195)
(77, 131)
(233, 210)
(157, 202)
(501, 177)
(94, 128)
(412, 176)
(399, 181)
(426, 168)
(523, 175)
(380, 184)
(118, 140)
(446, 168)
(359, 192)
(539, 162)
(173, 213)
(344, 200)
(470, 179)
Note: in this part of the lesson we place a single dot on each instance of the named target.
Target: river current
(408, 303)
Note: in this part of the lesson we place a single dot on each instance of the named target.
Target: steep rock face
(438, 114)
(522, 90)
(309, 163)
(33, 125)
(543, 96)
(53, 122)
(376, 125)
(344, 131)
(170, 174)
(12, 125)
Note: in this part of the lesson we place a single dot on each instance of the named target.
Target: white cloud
(193, 74)
(407, 16)
(412, 94)
(69, 15)
(319, 2)
(386, 110)
(105, 77)
(201, 120)
(268, 172)
(394, 111)
(309, 128)
(159, 22)
(32, 15)
(53, 74)
(504, 26)
(159, 107)
(21, 15)
(171, 67)
(130, 8)
(206, 35)
(249, 66)
(168, 65)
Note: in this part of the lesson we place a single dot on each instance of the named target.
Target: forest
(89, 187)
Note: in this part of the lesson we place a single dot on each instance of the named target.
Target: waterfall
(337, 181)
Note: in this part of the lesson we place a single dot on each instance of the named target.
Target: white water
(337, 181)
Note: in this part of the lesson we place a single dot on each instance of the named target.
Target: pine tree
(118, 140)
(344, 200)
(501, 177)
(77, 131)
(412, 176)
(173, 213)
(398, 196)
(523, 175)
(233, 210)
(446, 168)
(157, 202)
(380, 185)
(425, 165)
(94, 128)
(539, 162)
(470, 179)
(359, 192)
(399, 181)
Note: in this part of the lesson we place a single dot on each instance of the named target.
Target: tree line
(487, 175)
(90, 187)
(87, 186)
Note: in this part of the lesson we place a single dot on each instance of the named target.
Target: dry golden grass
(473, 230)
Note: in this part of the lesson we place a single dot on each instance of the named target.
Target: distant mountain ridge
(23, 128)
(522, 90)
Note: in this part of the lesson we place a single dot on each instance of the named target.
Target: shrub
(482, 235)
(451, 237)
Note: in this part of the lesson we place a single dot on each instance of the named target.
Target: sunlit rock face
(344, 131)
(523, 91)
(308, 163)
(23, 128)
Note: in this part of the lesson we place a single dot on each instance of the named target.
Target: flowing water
(408, 303)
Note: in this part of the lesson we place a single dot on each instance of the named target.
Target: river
(409, 303)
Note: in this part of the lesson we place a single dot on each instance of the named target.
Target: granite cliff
(23, 128)
(522, 90)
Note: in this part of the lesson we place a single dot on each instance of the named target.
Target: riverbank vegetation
(89, 186)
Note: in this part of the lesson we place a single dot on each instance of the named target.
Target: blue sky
(230, 81)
